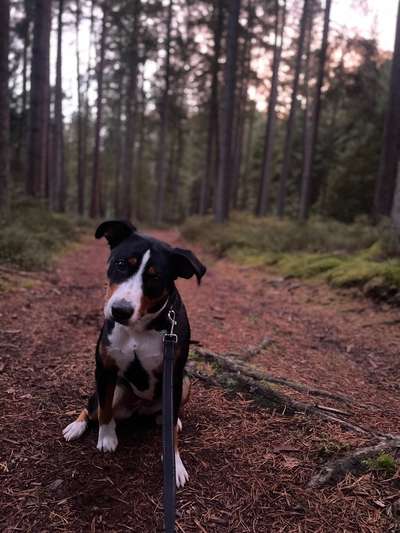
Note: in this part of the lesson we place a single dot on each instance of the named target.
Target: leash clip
(171, 336)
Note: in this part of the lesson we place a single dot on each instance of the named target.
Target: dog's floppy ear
(186, 264)
(115, 231)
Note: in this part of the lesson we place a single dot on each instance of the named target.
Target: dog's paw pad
(74, 430)
(108, 440)
(180, 472)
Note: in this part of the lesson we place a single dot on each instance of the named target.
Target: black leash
(169, 341)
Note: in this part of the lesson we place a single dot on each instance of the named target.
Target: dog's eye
(153, 274)
(120, 264)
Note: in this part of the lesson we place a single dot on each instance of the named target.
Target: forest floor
(249, 466)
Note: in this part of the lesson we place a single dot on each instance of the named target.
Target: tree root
(236, 374)
(237, 366)
(353, 462)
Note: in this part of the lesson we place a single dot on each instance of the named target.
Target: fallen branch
(353, 462)
(235, 365)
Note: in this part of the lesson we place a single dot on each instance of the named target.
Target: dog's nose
(122, 311)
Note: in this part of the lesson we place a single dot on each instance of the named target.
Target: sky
(382, 16)
(350, 14)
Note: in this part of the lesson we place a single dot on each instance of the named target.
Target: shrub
(31, 235)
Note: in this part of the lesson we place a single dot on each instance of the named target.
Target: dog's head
(141, 272)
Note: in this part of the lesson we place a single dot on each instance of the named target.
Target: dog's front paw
(107, 441)
(74, 430)
(180, 472)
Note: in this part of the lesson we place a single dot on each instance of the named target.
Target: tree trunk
(131, 116)
(249, 152)
(4, 107)
(269, 142)
(292, 117)
(386, 180)
(161, 171)
(96, 201)
(86, 113)
(396, 204)
(20, 156)
(57, 185)
(241, 108)
(79, 123)
(213, 115)
(39, 101)
(225, 165)
(306, 81)
(306, 183)
(118, 140)
(141, 147)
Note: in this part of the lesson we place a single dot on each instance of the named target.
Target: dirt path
(248, 467)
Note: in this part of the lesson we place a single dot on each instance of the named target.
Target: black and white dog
(129, 354)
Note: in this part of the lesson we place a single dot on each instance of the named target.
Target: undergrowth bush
(343, 254)
(30, 235)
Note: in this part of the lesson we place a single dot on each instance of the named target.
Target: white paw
(180, 472)
(74, 430)
(107, 441)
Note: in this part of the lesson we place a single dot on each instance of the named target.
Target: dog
(129, 353)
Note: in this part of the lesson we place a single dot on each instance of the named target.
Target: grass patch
(345, 255)
(31, 235)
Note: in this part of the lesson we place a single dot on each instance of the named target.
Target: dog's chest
(138, 356)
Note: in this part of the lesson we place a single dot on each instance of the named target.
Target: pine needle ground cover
(345, 255)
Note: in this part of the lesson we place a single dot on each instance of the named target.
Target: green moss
(384, 462)
(359, 271)
(308, 265)
(345, 255)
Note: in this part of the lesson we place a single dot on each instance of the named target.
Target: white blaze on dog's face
(125, 303)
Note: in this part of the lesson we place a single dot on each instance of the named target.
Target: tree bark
(96, 202)
(306, 182)
(161, 170)
(386, 180)
(131, 112)
(223, 192)
(292, 117)
(269, 141)
(57, 184)
(213, 114)
(4, 107)
(39, 101)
